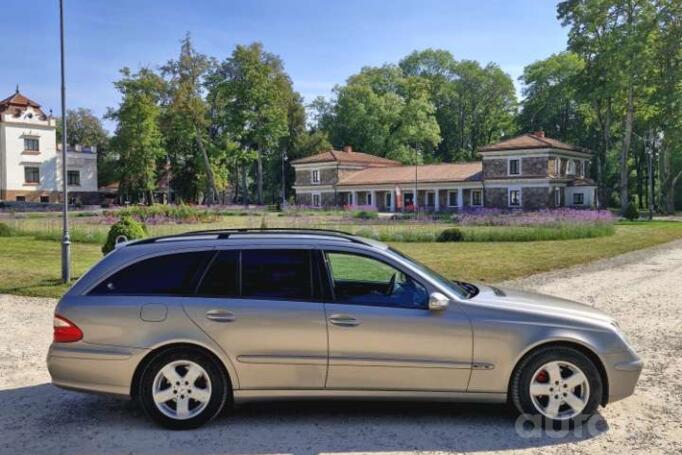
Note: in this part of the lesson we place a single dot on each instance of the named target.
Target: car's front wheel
(183, 388)
(560, 384)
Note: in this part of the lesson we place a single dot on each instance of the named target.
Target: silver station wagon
(191, 323)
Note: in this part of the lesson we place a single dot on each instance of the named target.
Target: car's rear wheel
(183, 388)
(560, 384)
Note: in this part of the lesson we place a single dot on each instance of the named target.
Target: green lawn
(32, 267)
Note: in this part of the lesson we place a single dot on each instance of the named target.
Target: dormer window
(315, 176)
(514, 166)
(31, 144)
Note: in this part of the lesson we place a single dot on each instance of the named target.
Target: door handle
(220, 316)
(344, 320)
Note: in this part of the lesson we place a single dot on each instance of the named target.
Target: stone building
(528, 172)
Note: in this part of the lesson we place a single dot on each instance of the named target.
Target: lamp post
(66, 240)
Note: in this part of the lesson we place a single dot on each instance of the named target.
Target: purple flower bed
(548, 217)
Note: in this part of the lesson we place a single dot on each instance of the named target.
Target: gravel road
(643, 290)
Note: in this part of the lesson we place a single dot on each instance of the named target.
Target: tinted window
(362, 280)
(276, 274)
(222, 277)
(173, 274)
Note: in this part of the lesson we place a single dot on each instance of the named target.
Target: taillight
(66, 331)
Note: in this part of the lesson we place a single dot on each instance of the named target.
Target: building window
(32, 175)
(578, 168)
(430, 199)
(578, 198)
(387, 200)
(557, 197)
(31, 144)
(315, 176)
(44, 199)
(73, 178)
(584, 168)
(515, 167)
(476, 198)
(514, 198)
(368, 198)
(570, 167)
(452, 198)
(557, 166)
(408, 200)
(21, 198)
(317, 200)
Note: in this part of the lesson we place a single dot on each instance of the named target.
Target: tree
(382, 112)
(614, 38)
(251, 93)
(137, 139)
(475, 105)
(551, 100)
(185, 121)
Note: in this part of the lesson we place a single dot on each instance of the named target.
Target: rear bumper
(93, 368)
(623, 370)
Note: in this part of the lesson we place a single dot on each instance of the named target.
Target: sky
(321, 42)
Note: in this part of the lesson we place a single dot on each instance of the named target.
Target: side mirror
(438, 302)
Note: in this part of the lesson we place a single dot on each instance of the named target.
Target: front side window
(514, 198)
(578, 198)
(514, 167)
(276, 274)
(387, 199)
(32, 175)
(362, 280)
(31, 144)
(73, 178)
(316, 176)
(222, 276)
(168, 275)
(476, 198)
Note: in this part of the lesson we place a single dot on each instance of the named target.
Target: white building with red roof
(30, 161)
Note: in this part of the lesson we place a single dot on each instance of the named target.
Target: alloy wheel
(559, 390)
(181, 389)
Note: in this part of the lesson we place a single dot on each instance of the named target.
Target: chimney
(347, 148)
(539, 133)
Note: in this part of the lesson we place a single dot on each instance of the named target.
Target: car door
(259, 304)
(382, 336)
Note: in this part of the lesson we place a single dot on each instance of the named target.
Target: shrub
(5, 231)
(126, 226)
(631, 212)
(365, 214)
(450, 235)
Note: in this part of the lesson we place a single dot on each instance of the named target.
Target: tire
(171, 377)
(554, 389)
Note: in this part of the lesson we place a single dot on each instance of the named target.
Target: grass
(32, 267)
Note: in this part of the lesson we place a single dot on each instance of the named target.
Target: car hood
(512, 299)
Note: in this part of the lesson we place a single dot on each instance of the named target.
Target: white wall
(13, 160)
(588, 195)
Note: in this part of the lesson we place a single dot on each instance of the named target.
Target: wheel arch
(586, 350)
(135, 383)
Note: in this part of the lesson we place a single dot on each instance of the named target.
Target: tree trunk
(670, 195)
(625, 151)
(259, 176)
(245, 189)
(211, 189)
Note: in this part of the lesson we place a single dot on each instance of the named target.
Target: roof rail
(226, 233)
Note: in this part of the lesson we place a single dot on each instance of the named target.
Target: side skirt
(256, 395)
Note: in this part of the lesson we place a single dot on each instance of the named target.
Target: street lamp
(66, 240)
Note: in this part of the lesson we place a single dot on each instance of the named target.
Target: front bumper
(623, 370)
(93, 368)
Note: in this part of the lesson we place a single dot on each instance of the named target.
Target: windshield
(453, 287)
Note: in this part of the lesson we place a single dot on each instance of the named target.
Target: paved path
(642, 289)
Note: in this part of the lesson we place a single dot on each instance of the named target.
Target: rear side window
(276, 274)
(222, 277)
(171, 275)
